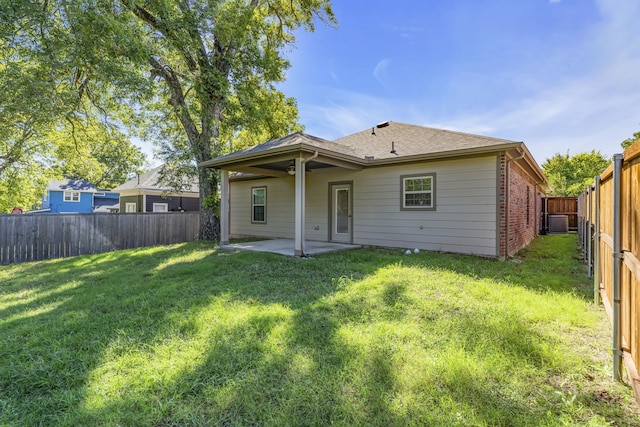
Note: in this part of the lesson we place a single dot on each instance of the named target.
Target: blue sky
(560, 75)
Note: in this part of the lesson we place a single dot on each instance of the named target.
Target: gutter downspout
(618, 256)
(507, 187)
(543, 206)
(546, 215)
(315, 154)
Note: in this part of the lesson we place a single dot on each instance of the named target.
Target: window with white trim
(71, 196)
(418, 192)
(161, 207)
(259, 205)
(130, 207)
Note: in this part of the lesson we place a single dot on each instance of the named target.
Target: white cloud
(343, 113)
(380, 71)
(407, 31)
(594, 110)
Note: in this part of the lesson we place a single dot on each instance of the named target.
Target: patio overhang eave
(273, 155)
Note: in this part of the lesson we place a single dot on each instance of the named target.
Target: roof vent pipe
(393, 147)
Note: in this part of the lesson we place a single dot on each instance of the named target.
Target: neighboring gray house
(395, 185)
(147, 193)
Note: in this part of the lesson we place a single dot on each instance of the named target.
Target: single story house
(395, 185)
(148, 193)
(77, 196)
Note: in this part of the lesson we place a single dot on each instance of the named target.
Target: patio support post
(300, 204)
(224, 207)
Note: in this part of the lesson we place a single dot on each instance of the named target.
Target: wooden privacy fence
(560, 206)
(38, 237)
(609, 232)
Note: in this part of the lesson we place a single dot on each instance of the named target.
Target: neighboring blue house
(106, 201)
(78, 196)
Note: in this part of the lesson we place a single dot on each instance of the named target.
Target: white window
(130, 207)
(160, 207)
(71, 196)
(418, 192)
(259, 205)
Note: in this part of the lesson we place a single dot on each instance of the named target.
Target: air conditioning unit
(559, 224)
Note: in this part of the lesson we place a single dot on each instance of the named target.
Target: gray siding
(464, 220)
(174, 203)
(131, 199)
(280, 208)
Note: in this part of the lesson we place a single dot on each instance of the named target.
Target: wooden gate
(560, 206)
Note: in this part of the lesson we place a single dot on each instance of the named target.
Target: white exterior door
(341, 213)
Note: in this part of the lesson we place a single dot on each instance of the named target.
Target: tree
(627, 142)
(202, 61)
(95, 152)
(50, 126)
(570, 175)
(23, 184)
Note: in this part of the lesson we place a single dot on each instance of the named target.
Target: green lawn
(189, 335)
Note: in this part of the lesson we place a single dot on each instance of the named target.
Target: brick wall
(524, 209)
(502, 206)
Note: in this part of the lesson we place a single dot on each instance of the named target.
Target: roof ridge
(453, 131)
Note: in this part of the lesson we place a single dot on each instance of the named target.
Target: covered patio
(286, 247)
(292, 156)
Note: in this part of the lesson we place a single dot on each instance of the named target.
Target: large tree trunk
(209, 206)
(202, 142)
(205, 148)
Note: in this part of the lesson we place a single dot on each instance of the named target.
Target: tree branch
(15, 153)
(177, 99)
(195, 35)
(158, 25)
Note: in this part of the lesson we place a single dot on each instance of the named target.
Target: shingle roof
(105, 205)
(290, 141)
(151, 181)
(71, 185)
(374, 145)
(411, 140)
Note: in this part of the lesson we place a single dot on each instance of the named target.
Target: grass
(189, 335)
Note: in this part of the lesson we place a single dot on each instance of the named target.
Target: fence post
(588, 232)
(596, 243)
(617, 264)
(579, 220)
(581, 226)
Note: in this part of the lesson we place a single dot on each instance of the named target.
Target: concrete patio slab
(285, 247)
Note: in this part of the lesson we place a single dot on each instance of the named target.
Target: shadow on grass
(257, 338)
